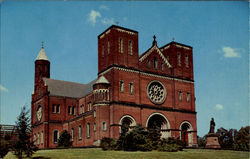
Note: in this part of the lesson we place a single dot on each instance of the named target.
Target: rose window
(156, 92)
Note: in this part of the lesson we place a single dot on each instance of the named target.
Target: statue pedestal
(212, 141)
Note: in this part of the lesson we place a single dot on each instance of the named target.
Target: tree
(201, 141)
(64, 139)
(242, 138)
(23, 143)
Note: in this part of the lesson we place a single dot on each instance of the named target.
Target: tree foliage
(23, 143)
(64, 139)
(201, 141)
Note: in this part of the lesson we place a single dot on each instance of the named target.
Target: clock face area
(39, 113)
(156, 92)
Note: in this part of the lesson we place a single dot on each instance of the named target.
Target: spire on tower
(154, 42)
(42, 55)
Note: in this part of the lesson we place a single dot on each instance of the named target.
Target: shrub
(170, 145)
(64, 139)
(108, 144)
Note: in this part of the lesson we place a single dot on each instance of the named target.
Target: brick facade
(157, 86)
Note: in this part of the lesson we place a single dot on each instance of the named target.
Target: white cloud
(2, 88)
(93, 15)
(103, 7)
(230, 52)
(219, 106)
(107, 21)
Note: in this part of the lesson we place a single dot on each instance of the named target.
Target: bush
(170, 145)
(201, 142)
(4, 147)
(108, 144)
(64, 139)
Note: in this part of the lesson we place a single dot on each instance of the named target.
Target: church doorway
(186, 133)
(159, 121)
(126, 123)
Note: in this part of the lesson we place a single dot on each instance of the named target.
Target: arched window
(42, 137)
(180, 95)
(94, 126)
(104, 126)
(188, 97)
(58, 108)
(162, 66)
(155, 63)
(121, 86)
(72, 134)
(179, 59)
(80, 132)
(94, 113)
(186, 61)
(34, 138)
(38, 138)
(88, 130)
(120, 45)
(130, 48)
(149, 64)
(131, 88)
(108, 47)
(55, 136)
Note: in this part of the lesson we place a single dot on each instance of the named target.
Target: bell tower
(42, 67)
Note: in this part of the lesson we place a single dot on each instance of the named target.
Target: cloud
(93, 15)
(2, 88)
(107, 21)
(231, 52)
(219, 106)
(103, 7)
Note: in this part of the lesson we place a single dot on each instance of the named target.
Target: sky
(217, 31)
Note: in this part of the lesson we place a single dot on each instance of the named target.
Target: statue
(212, 126)
(211, 137)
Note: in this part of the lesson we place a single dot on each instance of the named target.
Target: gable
(150, 51)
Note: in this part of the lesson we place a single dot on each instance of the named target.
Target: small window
(179, 59)
(149, 64)
(53, 108)
(186, 61)
(38, 138)
(102, 50)
(188, 97)
(73, 110)
(108, 47)
(90, 106)
(180, 95)
(120, 45)
(88, 130)
(58, 108)
(55, 136)
(104, 126)
(121, 86)
(131, 88)
(162, 66)
(69, 110)
(80, 132)
(72, 134)
(155, 63)
(34, 138)
(130, 49)
(94, 113)
(42, 137)
(94, 126)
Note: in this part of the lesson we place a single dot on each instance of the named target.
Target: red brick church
(154, 87)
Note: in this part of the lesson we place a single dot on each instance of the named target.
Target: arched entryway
(186, 134)
(126, 121)
(158, 120)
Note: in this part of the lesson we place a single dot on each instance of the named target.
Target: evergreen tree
(64, 139)
(23, 143)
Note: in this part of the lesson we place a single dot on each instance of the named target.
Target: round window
(156, 92)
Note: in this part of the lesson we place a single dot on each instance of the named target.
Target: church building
(153, 88)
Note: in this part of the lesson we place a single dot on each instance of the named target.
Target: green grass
(96, 153)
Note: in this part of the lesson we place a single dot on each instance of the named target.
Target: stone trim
(105, 33)
(144, 73)
(184, 47)
(128, 32)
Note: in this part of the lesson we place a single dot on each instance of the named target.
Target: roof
(119, 27)
(102, 79)
(42, 55)
(173, 42)
(68, 89)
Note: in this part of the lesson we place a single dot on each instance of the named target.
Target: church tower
(42, 67)
(117, 46)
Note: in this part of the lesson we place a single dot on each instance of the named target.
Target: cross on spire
(42, 44)
(173, 38)
(154, 42)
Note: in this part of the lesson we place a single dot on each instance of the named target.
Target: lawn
(96, 153)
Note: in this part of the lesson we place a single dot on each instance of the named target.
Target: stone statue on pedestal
(212, 138)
